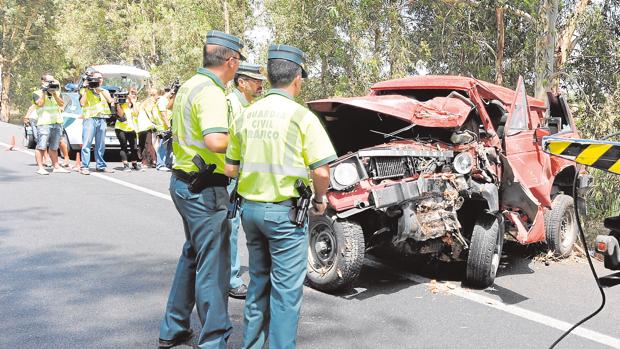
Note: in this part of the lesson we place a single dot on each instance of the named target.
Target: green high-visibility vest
(49, 113)
(128, 124)
(200, 108)
(96, 105)
(275, 142)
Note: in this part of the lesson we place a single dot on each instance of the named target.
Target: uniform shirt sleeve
(317, 148)
(35, 96)
(211, 109)
(233, 152)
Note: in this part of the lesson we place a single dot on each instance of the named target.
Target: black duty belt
(215, 179)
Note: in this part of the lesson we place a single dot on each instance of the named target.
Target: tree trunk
(545, 46)
(226, 16)
(5, 106)
(566, 42)
(499, 54)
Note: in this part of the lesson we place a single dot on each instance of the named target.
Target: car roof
(117, 71)
(452, 82)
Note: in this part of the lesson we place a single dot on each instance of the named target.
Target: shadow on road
(81, 295)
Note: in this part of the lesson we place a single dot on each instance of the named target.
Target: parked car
(116, 78)
(441, 167)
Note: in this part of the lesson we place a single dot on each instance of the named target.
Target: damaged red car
(441, 167)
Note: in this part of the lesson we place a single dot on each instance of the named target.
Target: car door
(525, 183)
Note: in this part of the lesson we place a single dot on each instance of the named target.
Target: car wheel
(335, 253)
(485, 251)
(561, 225)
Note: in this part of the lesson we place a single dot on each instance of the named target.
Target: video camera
(120, 97)
(50, 86)
(174, 88)
(89, 80)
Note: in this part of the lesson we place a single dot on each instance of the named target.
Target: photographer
(95, 111)
(48, 104)
(126, 109)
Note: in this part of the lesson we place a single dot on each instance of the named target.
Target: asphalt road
(87, 261)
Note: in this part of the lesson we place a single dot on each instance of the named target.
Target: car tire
(485, 251)
(561, 226)
(335, 253)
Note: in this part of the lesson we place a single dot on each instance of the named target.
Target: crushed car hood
(438, 112)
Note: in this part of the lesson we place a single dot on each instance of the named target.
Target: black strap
(213, 180)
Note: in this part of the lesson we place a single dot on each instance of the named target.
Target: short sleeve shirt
(275, 142)
(200, 108)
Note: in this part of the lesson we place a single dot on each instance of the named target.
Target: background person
(145, 127)
(248, 85)
(162, 134)
(126, 131)
(199, 127)
(275, 142)
(95, 112)
(48, 104)
(165, 103)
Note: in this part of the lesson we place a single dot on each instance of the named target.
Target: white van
(116, 78)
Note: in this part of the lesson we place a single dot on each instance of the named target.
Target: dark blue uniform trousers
(278, 252)
(203, 271)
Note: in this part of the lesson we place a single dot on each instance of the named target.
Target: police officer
(248, 85)
(200, 127)
(275, 142)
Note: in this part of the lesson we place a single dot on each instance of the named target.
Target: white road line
(511, 309)
(133, 186)
(474, 297)
(107, 178)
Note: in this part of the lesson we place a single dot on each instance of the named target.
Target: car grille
(387, 167)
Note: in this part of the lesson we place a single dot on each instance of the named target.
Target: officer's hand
(318, 209)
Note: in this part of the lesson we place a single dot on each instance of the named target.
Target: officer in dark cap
(200, 128)
(248, 86)
(274, 143)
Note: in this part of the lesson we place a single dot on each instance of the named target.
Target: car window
(519, 117)
(72, 103)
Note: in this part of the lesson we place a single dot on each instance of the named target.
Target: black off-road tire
(338, 268)
(561, 226)
(485, 251)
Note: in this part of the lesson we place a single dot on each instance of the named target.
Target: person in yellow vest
(275, 143)
(198, 190)
(248, 86)
(162, 138)
(95, 112)
(48, 105)
(146, 124)
(126, 130)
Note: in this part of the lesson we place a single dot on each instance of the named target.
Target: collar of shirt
(241, 96)
(207, 72)
(277, 91)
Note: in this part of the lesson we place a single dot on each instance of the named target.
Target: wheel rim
(322, 248)
(567, 229)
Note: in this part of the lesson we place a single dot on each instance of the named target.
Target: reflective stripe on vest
(95, 106)
(282, 170)
(49, 113)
